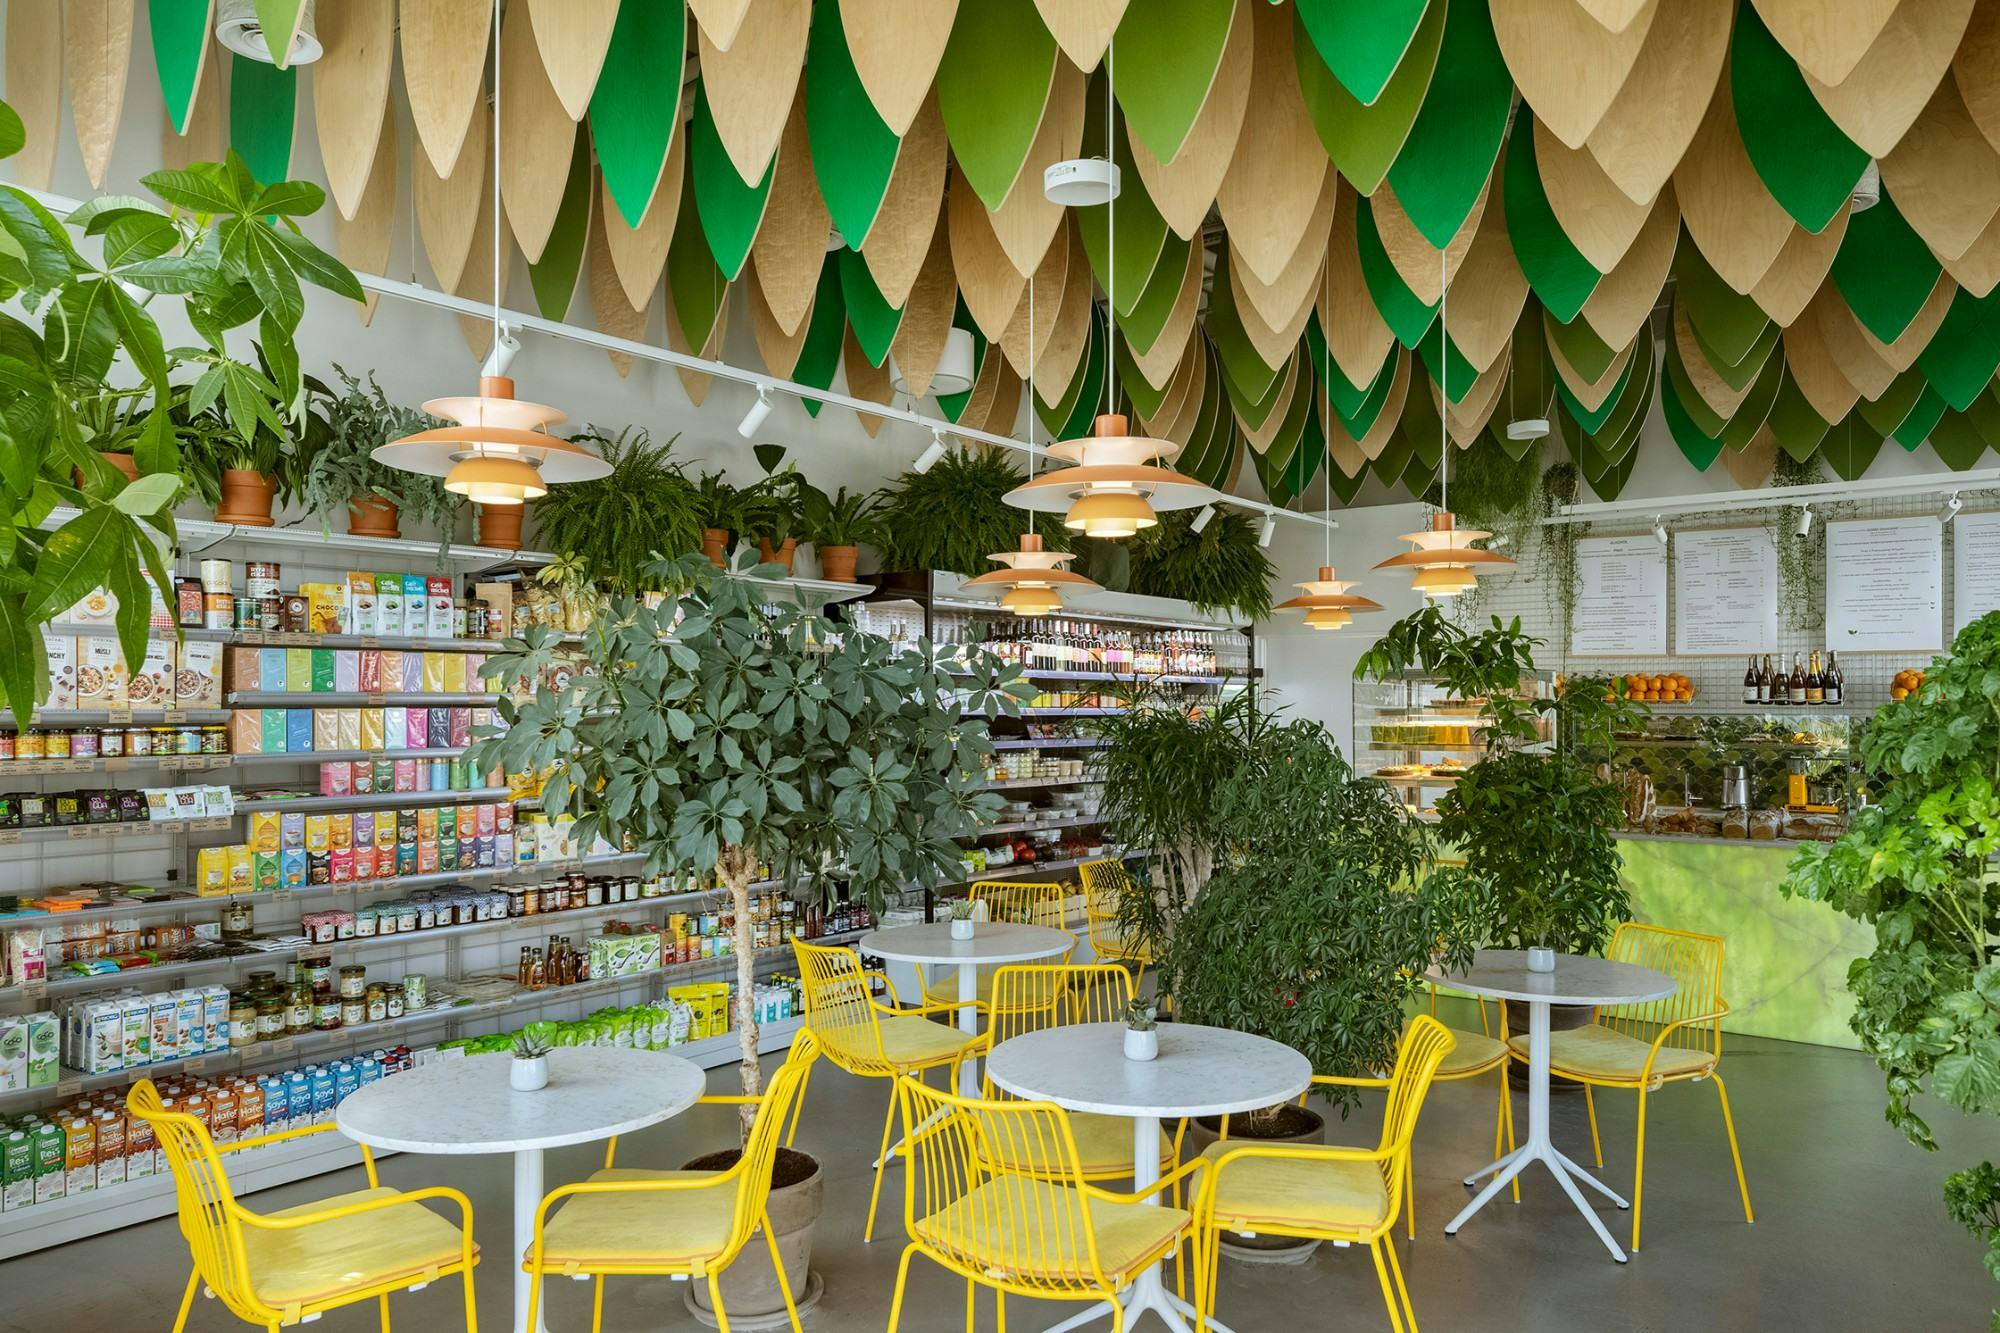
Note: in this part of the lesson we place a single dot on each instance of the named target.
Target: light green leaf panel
(180, 45)
(1736, 374)
(554, 276)
(1587, 354)
(872, 318)
(1793, 422)
(854, 151)
(280, 20)
(991, 87)
(1345, 488)
(1369, 409)
(1394, 460)
(730, 210)
(632, 118)
(1699, 448)
(1619, 431)
(1363, 139)
(1693, 406)
(1249, 378)
(1727, 323)
(1802, 157)
(1308, 456)
(1884, 270)
(263, 107)
(1962, 355)
(820, 356)
(1155, 305)
(1406, 313)
(1163, 64)
(1211, 453)
(1850, 447)
(1142, 232)
(1366, 43)
(1146, 398)
(1556, 270)
(1888, 412)
(1456, 139)
(695, 284)
(1755, 410)
(1592, 422)
(1255, 412)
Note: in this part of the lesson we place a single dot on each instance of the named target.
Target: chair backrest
(1023, 902)
(1425, 1044)
(1694, 962)
(1104, 882)
(204, 1200)
(1029, 1233)
(760, 1151)
(839, 1012)
(1028, 997)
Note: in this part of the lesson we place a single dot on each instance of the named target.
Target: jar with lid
(31, 744)
(353, 1011)
(377, 1002)
(187, 740)
(364, 923)
(298, 1009)
(353, 982)
(84, 744)
(138, 741)
(270, 1016)
(215, 740)
(242, 1020)
(55, 745)
(392, 1000)
(262, 982)
(593, 892)
(406, 917)
(238, 920)
(326, 1013)
(111, 742)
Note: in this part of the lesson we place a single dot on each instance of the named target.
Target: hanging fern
(614, 527)
(1215, 569)
(956, 515)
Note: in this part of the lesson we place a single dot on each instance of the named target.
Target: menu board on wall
(1725, 591)
(1885, 585)
(1975, 559)
(1621, 597)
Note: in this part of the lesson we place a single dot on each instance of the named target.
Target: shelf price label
(35, 991)
(118, 715)
(68, 1088)
(280, 1047)
(9, 837)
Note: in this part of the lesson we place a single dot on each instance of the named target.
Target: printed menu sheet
(1975, 559)
(1885, 585)
(1621, 597)
(1725, 591)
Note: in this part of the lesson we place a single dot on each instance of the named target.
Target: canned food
(219, 610)
(249, 614)
(415, 991)
(217, 576)
(260, 578)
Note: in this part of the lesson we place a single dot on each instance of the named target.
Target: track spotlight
(1805, 522)
(500, 358)
(1951, 508)
(1267, 529)
(933, 452)
(754, 418)
(1659, 530)
(1201, 519)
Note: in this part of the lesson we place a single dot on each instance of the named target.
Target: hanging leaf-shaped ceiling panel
(444, 46)
(854, 150)
(1406, 314)
(1884, 93)
(730, 211)
(750, 83)
(1273, 184)
(1164, 66)
(351, 93)
(263, 106)
(554, 275)
(1364, 42)
(992, 85)
(34, 70)
(1249, 376)
(1961, 357)
(1626, 297)
(1956, 441)
(1701, 409)
(1884, 269)
(895, 49)
(1793, 423)
(1729, 211)
(573, 37)
(695, 284)
(1448, 368)
(1555, 268)
(1577, 346)
(1888, 412)
(1728, 323)
(632, 123)
(97, 53)
(1923, 418)
(1083, 28)
(640, 253)
(790, 248)
(1364, 138)
(1651, 122)
(1142, 232)
(1945, 176)
(1590, 417)
(1850, 447)
(1799, 270)
(1569, 66)
(1456, 139)
(899, 236)
(180, 31)
(873, 319)
(1184, 188)
(1700, 449)
(820, 356)
(1749, 419)
(1809, 166)
(536, 134)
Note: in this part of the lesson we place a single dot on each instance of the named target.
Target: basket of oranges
(1671, 688)
(1905, 683)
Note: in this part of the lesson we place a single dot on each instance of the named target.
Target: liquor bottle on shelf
(1795, 687)
(1834, 682)
(1750, 688)
(1766, 682)
(1815, 685)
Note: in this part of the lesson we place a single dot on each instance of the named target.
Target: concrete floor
(1851, 1232)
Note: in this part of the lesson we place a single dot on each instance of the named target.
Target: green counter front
(1785, 964)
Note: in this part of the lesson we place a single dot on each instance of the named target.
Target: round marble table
(466, 1106)
(1200, 1071)
(1503, 974)
(992, 942)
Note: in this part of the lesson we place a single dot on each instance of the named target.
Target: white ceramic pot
(1142, 1045)
(961, 929)
(1541, 959)
(528, 1075)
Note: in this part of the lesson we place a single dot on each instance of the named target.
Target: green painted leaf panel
(1755, 410)
(1700, 449)
(1406, 314)
(1884, 270)
(695, 284)
(632, 116)
(1142, 232)
(1457, 375)
(180, 37)
(872, 318)
(1249, 376)
(991, 86)
(1163, 65)
(263, 106)
(1850, 447)
(1588, 355)
(1957, 441)
(1556, 270)
(554, 276)
(1362, 138)
(1727, 322)
(1155, 305)
(853, 149)
(1701, 416)
(1456, 139)
(730, 209)
(1592, 422)
(1802, 157)
(1889, 411)
(1962, 355)
(1797, 427)
(1365, 42)
(820, 354)
(1921, 421)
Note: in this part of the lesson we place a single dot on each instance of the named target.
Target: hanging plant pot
(246, 498)
(782, 555)
(836, 563)
(715, 545)
(372, 516)
(500, 526)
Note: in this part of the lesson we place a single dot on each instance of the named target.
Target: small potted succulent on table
(1142, 1030)
(961, 918)
(529, 1069)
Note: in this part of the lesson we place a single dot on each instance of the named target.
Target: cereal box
(152, 685)
(100, 681)
(197, 682)
(59, 650)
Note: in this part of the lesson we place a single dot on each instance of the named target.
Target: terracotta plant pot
(750, 1284)
(715, 545)
(1301, 1125)
(246, 498)
(373, 517)
(124, 463)
(500, 526)
(782, 555)
(836, 563)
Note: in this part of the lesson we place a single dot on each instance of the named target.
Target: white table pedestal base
(1538, 1148)
(968, 1023)
(527, 1198)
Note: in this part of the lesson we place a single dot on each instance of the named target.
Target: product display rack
(1410, 734)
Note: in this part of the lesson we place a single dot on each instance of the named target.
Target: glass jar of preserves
(353, 1012)
(215, 740)
(31, 744)
(392, 1000)
(353, 982)
(242, 1020)
(84, 744)
(378, 1004)
(111, 743)
(55, 745)
(326, 1013)
(270, 1017)
(299, 1009)
(138, 741)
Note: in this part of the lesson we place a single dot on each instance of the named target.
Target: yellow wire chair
(1646, 1046)
(869, 1039)
(1022, 902)
(1315, 1192)
(276, 1269)
(628, 1222)
(1474, 1055)
(1104, 882)
(1051, 1235)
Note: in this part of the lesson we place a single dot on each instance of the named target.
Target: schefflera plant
(723, 727)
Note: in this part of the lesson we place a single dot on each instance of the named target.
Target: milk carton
(100, 1036)
(17, 1171)
(214, 1017)
(14, 1058)
(188, 1020)
(44, 1049)
(324, 1094)
(165, 1030)
(48, 1140)
(135, 1011)
(111, 1161)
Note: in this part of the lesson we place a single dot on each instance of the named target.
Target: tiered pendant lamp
(1033, 578)
(1116, 483)
(1327, 602)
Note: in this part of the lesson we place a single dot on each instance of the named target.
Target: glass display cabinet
(1419, 739)
(1771, 773)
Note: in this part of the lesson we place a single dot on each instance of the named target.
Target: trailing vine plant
(1555, 552)
(1799, 558)
(1491, 491)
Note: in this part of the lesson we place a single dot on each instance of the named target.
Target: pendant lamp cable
(1111, 230)
(1444, 392)
(496, 172)
(1326, 419)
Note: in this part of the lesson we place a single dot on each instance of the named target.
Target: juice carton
(17, 1171)
(361, 604)
(416, 609)
(44, 1049)
(438, 607)
(346, 1080)
(13, 1052)
(388, 604)
(110, 1148)
(135, 1011)
(249, 1108)
(166, 1033)
(323, 1094)
(142, 1158)
(50, 1143)
(215, 1017)
(79, 1156)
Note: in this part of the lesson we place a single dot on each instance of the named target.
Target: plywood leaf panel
(1376, 438)
(1466, 418)
(995, 393)
(1903, 352)
(634, 121)
(97, 54)
(1729, 211)
(1649, 126)
(1750, 466)
(1185, 188)
(986, 277)
(180, 31)
(1278, 303)
(444, 45)
(751, 84)
(1356, 333)
(1026, 219)
(207, 133)
(854, 150)
(1273, 421)
(719, 20)
(609, 306)
(1273, 183)
(639, 254)
(1027, 336)
(1488, 290)
(1157, 360)
(1978, 269)
(1807, 163)
(695, 382)
(351, 93)
(554, 276)
(778, 346)
(1568, 66)
(1721, 396)
(1828, 41)
(1600, 219)
(1082, 28)
(475, 279)
(1415, 259)
(1859, 362)
(1975, 68)
(1071, 334)
(1620, 304)
(1180, 405)
(362, 237)
(1887, 89)
(900, 239)
(927, 313)
(1799, 270)
(871, 383)
(1827, 391)
(537, 138)
(1944, 175)
(34, 71)
(896, 47)
(791, 242)
(573, 36)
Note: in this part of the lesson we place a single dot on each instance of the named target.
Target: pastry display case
(1410, 732)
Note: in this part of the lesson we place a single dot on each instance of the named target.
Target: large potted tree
(725, 728)
(1917, 863)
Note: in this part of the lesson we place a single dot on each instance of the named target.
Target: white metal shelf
(133, 828)
(358, 699)
(1038, 784)
(336, 756)
(375, 800)
(1047, 743)
(1036, 826)
(97, 717)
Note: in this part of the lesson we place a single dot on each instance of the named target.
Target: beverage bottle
(1750, 681)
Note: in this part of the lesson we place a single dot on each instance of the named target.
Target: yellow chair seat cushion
(912, 1043)
(1474, 1051)
(312, 1264)
(1597, 1051)
(1298, 1193)
(660, 1227)
(1103, 1148)
(941, 985)
(1020, 1226)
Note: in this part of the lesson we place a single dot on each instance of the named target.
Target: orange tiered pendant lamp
(498, 451)
(1116, 482)
(1033, 578)
(1327, 602)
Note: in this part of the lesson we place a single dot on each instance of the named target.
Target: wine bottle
(1764, 681)
(1836, 684)
(1815, 683)
(1750, 681)
(1795, 687)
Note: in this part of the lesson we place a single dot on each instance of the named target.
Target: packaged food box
(326, 729)
(454, 673)
(298, 731)
(413, 674)
(347, 670)
(275, 728)
(416, 729)
(326, 606)
(152, 685)
(369, 680)
(100, 680)
(433, 672)
(388, 603)
(416, 609)
(273, 667)
(349, 734)
(438, 608)
(197, 676)
(322, 670)
(246, 731)
(298, 670)
(59, 651)
(381, 729)
(44, 1049)
(361, 615)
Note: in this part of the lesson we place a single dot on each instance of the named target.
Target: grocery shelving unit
(1410, 734)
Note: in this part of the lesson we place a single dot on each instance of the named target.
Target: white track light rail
(1941, 484)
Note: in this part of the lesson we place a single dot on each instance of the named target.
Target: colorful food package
(438, 606)
(197, 676)
(59, 651)
(100, 681)
(361, 604)
(152, 685)
(416, 605)
(246, 731)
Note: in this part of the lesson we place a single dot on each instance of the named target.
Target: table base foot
(1591, 1180)
(1563, 1170)
(1500, 1165)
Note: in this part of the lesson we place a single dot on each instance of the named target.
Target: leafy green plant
(719, 504)
(955, 515)
(1319, 925)
(617, 526)
(716, 733)
(774, 509)
(1800, 559)
(1555, 551)
(1918, 865)
(344, 471)
(844, 518)
(224, 265)
(1219, 568)
(527, 1046)
(1142, 1015)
